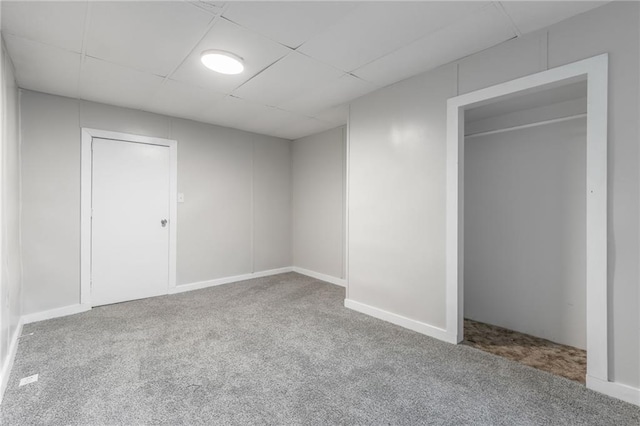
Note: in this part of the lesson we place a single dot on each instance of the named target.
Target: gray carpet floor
(276, 350)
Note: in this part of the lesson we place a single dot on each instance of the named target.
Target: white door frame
(85, 202)
(595, 71)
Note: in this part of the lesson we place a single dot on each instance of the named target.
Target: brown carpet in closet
(562, 360)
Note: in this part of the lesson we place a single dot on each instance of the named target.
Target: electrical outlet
(28, 380)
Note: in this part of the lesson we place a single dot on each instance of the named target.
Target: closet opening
(525, 229)
(527, 220)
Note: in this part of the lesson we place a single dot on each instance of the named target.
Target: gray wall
(235, 218)
(397, 197)
(525, 230)
(318, 202)
(11, 277)
(397, 173)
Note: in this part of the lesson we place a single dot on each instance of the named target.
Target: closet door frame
(595, 71)
(85, 203)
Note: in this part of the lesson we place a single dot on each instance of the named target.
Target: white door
(129, 228)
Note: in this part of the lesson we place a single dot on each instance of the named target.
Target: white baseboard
(76, 309)
(323, 277)
(417, 326)
(55, 313)
(227, 280)
(5, 372)
(616, 390)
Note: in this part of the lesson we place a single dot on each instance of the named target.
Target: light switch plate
(180, 197)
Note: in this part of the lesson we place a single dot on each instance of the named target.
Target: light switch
(180, 197)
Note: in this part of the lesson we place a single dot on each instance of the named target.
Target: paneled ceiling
(304, 61)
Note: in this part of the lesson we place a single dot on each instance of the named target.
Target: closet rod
(525, 126)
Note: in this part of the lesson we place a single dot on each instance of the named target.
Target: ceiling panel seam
(165, 78)
(490, 5)
(462, 16)
(205, 6)
(83, 49)
(124, 66)
(296, 113)
(260, 72)
(362, 79)
(211, 24)
(322, 62)
(257, 33)
(430, 34)
(40, 42)
(501, 8)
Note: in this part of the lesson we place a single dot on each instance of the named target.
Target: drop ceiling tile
(180, 99)
(212, 7)
(273, 119)
(59, 77)
(287, 79)
(301, 127)
(335, 116)
(334, 92)
(232, 112)
(59, 24)
(289, 23)
(375, 29)
(251, 116)
(102, 81)
(477, 32)
(284, 124)
(257, 51)
(533, 15)
(148, 36)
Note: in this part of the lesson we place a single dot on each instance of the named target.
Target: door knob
(163, 222)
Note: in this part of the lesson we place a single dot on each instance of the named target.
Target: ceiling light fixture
(222, 62)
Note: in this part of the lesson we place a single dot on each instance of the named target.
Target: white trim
(323, 277)
(252, 224)
(614, 389)
(4, 314)
(55, 313)
(85, 217)
(173, 213)
(595, 70)
(79, 308)
(347, 150)
(417, 326)
(85, 203)
(5, 372)
(343, 180)
(525, 126)
(227, 280)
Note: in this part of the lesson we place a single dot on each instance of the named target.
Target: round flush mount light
(222, 62)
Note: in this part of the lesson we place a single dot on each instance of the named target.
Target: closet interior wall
(525, 218)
